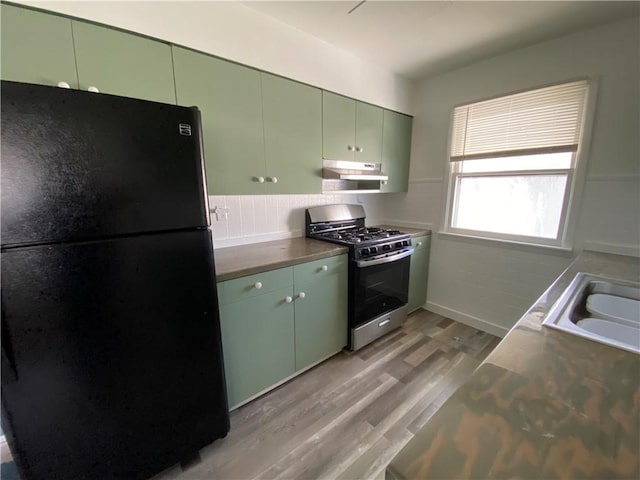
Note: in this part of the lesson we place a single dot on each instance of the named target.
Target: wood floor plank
(347, 417)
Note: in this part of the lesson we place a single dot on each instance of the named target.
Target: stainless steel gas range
(379, 262)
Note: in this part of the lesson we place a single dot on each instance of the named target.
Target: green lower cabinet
(123, 64)
(281, 321)
(321, 316)
(257, 339)
(37, 47)
(419, 272)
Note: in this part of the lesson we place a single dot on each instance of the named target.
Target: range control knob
(386, 248)
(364, 252)
(406, 243)
(373, 250)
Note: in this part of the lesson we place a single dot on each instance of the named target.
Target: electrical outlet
(221, 213)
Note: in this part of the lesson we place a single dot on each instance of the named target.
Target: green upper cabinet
(123, 64)
(369, 121)
(396, 151)
(36, 47)
(351, 130)
(229, 97)
(338, 127)
(292, 115)
(321, 289)
(419, 272)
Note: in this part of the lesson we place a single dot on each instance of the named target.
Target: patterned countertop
(242, 260)
(545, 404)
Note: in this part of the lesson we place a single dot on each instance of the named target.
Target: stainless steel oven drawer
(377, 327)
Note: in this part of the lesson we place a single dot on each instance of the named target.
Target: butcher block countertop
(243, 260)
(544, 404)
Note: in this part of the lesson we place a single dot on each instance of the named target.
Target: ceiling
(417, 39)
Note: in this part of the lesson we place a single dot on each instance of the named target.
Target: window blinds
(536, 121)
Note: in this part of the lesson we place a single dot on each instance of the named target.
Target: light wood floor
(349, 416)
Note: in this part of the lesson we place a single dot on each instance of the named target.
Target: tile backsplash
(243, 219)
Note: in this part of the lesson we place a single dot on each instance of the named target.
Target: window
(513, 162)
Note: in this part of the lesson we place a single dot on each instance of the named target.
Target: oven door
(378, 286)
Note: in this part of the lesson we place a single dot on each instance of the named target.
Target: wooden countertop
(242, 260)
(544, 404)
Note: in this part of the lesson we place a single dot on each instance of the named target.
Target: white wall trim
(613, 178)
(614, 248)
(470, 320)
(402, 223)
(512, 244)
(427, 180)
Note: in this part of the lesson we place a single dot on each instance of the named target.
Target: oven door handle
(380, 261)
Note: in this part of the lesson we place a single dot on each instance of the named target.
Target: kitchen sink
(602, 309)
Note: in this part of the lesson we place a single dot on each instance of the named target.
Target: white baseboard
(470, 320)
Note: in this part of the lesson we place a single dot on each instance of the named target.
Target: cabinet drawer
(316, 269)
(254, 285)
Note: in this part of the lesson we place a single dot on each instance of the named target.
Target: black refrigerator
(111, 349)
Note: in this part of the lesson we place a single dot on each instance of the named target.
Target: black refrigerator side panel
(111, 356)
(79, 165)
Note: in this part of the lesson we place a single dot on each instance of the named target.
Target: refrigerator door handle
(9, 372)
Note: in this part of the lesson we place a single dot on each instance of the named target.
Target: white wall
(491, 284)
(236, 32)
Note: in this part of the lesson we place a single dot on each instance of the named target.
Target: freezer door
(79, 165)
(112, 359)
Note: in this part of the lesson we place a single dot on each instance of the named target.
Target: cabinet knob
(93, 89)
(260, 179)
(419, 244)
(359, 149)
(384, 182)
(288, 299)
(258, 285)
(324, 268)
(302, 295)
(273, 179)
(350, 148)
(64, 85)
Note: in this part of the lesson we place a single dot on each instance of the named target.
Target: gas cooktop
(358, 235)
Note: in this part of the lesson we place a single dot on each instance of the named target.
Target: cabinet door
(338, 127)
(396, 151)
(120, 63)
(230, 101)
(419, 272)
(368, 133)
(321, 316)
(37, 47)
(292, 135)
(258, 343)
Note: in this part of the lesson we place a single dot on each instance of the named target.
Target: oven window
(378, 289)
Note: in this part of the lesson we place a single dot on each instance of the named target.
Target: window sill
(564, 251)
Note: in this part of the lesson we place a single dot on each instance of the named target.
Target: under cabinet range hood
(344, 176)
